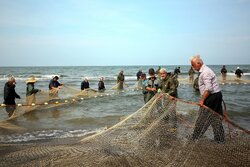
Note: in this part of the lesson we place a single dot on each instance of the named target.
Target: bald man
(212, 98)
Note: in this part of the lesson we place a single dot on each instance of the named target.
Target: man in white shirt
(212, 98)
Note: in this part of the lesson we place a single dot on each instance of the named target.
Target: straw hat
(31, 79)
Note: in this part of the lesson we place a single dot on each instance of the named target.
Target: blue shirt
(54, 84)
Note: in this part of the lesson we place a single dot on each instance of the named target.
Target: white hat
(238, 67)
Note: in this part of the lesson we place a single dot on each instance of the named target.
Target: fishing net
(158, 134)
(44, 100)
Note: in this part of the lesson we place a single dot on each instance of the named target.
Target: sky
(123, 32)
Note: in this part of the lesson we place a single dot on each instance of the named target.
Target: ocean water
(95, 114)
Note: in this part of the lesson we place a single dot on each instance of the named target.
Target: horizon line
(111, 65)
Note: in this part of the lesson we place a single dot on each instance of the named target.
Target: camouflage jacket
(169, 85)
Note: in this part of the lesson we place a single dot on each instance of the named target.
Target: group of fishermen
(158, 81)
(10, 94)
(151, 86)
(164, 82)
(238, 72)
(208, 86)
(54, 86)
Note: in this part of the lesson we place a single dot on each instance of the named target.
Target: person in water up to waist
(54, 83)
(238, 72)
(138, 74)
(223, 72)
(120, 80)
(9, 91)
(101, 85)
(152, 84)
(31, 91)
(10, 95)
(54, 87)
(144, 84)
(85, 83)
(212, 98)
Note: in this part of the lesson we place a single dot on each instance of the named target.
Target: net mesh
(158, 134)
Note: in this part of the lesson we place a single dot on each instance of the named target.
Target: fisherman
(238, 72)
(85, 83)
(101, 86)
(191, 73)
(152, 84)
(144, 83)
(138, 75)
(31, 91)
(177, 71)
(120, 80)
(10, 95)
(168, 84)
(223, 72)
(212, 98)
(54, 87)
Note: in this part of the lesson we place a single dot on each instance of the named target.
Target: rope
(66, 86)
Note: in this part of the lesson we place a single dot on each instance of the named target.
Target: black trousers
(207, 118)
(214, 101)
(10, 110)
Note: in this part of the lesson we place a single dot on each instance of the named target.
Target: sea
(91, 115)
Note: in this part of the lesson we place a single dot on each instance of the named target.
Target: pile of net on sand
(145, 138)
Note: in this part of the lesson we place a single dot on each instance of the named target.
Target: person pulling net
(120, 81)
(54, 87)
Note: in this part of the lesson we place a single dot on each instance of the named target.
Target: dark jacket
(239, 72)
(54, 83)
(30, 89)
(138, 75)
(177, 71)
(101, 85)
(10, 94)
(223, 70)
(84, 85)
